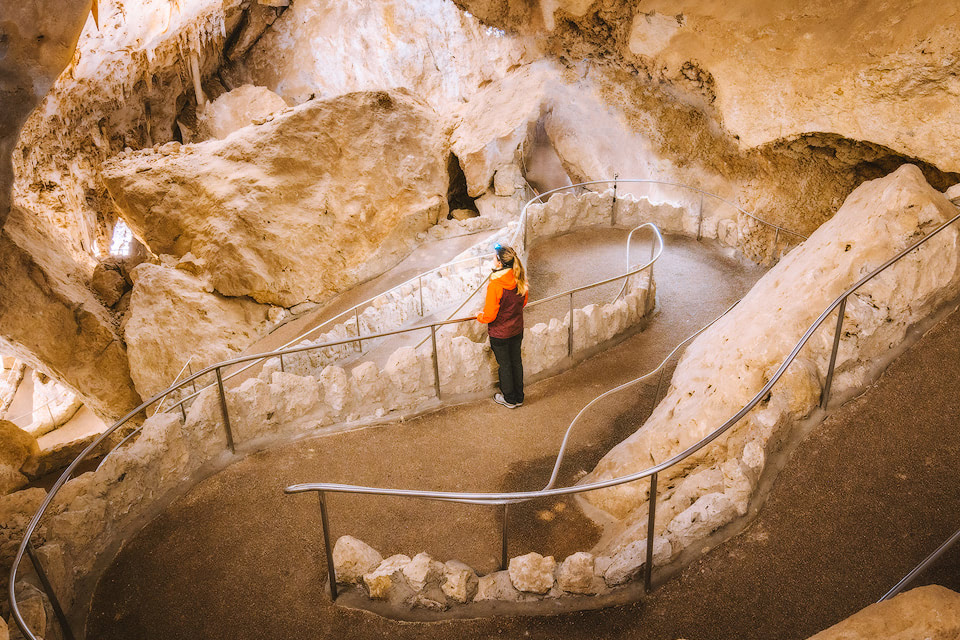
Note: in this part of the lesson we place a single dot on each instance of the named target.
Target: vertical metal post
(776, 238)
(651, 519)
(183, 412)
(570, 329)
(420, 281)
(503, 540)
(653, 251)
(613, 208)
(223, 410)
(825, 397)
(356, 316)
(656, 396)
(281, 363)
(436, 360)
(50, 413)
(700, 219)
(331, 571)
(48, 589)
(193, 382)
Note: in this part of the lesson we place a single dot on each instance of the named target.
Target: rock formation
(237, 109)
(729, 363)
(317, 199)
(925, 612)
(173, 319)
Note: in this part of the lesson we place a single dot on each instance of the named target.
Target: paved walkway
(235, 558)
(865, 497)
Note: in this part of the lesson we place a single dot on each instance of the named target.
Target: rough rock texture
(497, 586)
(460, 582)
(237, 109)
(307, 204)
(54, 323)
(16, 510)
(11, 375)
(630, 560)
(387, 581)
(18, 450)
(38, 42)
(352, 558)
(859, 74)
(576, 574)
(532, 572)
(53, 404)
(730, 362)
(173, 317)
(325, 48)
(931, 613)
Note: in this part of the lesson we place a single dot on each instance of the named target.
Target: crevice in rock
(542, 167)
(457, 196)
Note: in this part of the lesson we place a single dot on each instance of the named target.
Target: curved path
(235, 558)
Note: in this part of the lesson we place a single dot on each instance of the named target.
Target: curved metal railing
(26, 548)
(505, 498)
(920, 568)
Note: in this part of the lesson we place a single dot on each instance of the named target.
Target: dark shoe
(499, 399)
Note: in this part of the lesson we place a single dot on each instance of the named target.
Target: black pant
(507, 352)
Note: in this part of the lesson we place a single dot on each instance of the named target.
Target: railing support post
(331, 571)
(503, 540)
(825, 397)
(192, 382)
(613, 207)
(651, 519)
(436, 360)
(48, 589)
(700, 219)
(420, 282)
(225, 412)
(656, 395)
(281, 363)
(356, 316)
(183, 412)
(570, 329)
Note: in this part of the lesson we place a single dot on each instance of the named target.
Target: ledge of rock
(730, 362)
(307, 204)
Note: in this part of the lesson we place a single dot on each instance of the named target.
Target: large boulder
(731, 361)
(173, 318)
(315, 200)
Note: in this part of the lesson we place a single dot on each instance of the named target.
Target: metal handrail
(539, 199)
(26, 548)
(505, 498)
(929, 560)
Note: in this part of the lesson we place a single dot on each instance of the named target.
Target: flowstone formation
(730, 362)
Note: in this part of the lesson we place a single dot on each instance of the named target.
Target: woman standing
(507, 294)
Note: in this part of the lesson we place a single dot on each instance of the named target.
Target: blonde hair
(508, 255)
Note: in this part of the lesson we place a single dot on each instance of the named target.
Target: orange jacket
(499, 281)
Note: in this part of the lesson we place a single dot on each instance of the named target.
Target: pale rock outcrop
(931, 613)
(387, 582)
(173, 316)
(53, 404)
(16, 510)
(629, 561)
(236, 109)
(34, 609)
(576, 574)
(729, 363)
(352, 558)
(953, 192)
(460, 582)
(279, 211)
(325, 48)
(532, 573)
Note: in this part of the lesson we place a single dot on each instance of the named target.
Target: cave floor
(867, 495)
